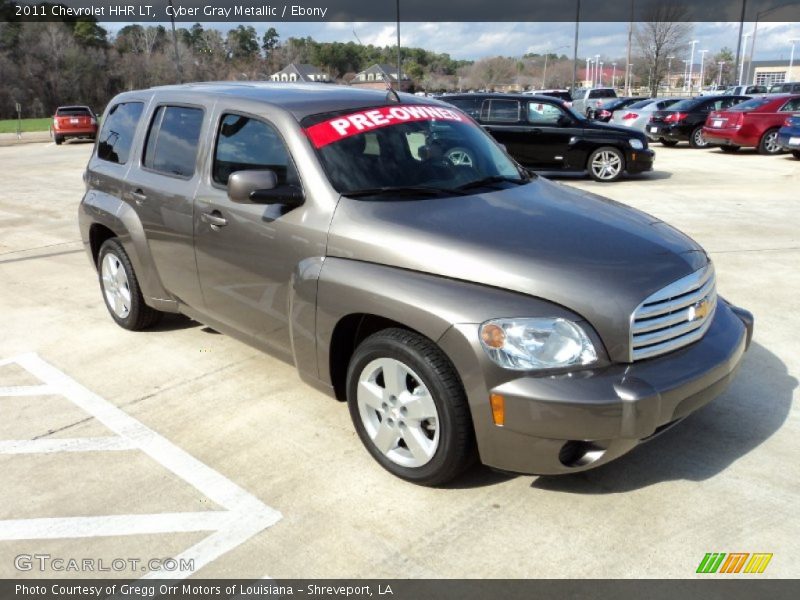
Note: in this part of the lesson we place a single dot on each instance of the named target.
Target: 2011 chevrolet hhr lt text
(392, 251)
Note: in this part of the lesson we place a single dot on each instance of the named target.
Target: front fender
(118, 216)
(426, 303)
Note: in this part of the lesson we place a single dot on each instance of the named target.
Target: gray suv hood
(589, 254)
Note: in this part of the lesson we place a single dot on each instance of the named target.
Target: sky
(472, 41)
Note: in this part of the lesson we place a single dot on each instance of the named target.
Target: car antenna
(391, 94)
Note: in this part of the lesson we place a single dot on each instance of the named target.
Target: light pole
(544, 75)
(721, 64)
(669, 72)
(588, 62)
(614, 75)
(691, 66)
(702, 67)
(791, 59)
(629, 78)
(601, 74)
(744, 51)
(596, 66)
(685, 71)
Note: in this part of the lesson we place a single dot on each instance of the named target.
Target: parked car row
(752, 124)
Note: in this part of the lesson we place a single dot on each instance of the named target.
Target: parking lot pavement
(725, 480)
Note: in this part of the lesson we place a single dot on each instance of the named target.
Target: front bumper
(574, 421)
(638, 161)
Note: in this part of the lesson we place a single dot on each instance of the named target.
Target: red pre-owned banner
(345, 126)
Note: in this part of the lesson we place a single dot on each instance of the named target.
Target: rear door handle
(214, 218)
(138, 196)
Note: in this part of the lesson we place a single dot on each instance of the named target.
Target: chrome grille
(668, 319)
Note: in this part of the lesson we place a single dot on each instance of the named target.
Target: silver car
(637, 115)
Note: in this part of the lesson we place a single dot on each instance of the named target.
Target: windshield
(749, 105)
(417, 149)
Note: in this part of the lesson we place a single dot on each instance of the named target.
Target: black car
(604, 113)
(684, 120)
(543, 133)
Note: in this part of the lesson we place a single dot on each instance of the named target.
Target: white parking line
(244, 515)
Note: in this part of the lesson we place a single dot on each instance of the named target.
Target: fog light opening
(577, 453)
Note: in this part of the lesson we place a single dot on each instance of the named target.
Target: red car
(752, 124)
(73, 122)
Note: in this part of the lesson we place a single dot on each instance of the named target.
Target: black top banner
(191, 11)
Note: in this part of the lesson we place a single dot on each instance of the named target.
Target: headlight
(636, 144)
(536, 343)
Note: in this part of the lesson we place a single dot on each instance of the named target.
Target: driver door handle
(138, 196)
(214, 218)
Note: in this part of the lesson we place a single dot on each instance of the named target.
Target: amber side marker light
(498, 409)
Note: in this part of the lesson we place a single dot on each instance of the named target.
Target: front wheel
(769, 143)
(409, 408)
(697, 139)
(606, 164)
(120, 288)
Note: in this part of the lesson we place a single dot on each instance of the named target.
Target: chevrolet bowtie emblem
(698, 310)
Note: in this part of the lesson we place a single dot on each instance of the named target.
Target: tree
(665, 33)
(242, 43)
(270, 41)
(724, 56)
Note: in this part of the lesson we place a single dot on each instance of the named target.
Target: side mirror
(262, 187)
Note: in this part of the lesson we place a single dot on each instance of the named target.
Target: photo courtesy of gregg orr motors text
(46, 563)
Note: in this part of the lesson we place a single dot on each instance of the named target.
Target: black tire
(730, 149)
(796, 153)
(609, 150)
(140, 316)
(768, 143)
(58, 139)
(455, 451)
(668, 143)
(697, 140)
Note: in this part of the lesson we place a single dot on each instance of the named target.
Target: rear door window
(173, 139)
(119, 127)
(247, 144)
(501, 110)
(471, 106)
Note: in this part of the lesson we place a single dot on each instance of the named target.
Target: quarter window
(173, 139)
(245, 144)
(116, 135)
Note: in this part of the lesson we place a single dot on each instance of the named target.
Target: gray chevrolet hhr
(395, 254)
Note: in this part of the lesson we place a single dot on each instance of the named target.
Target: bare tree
(664, 33)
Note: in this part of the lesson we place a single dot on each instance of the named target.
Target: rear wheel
(796, 153)
(606, 164)
(697, 139)
(58, 139)
(730, 149)
(668, 143)
(769, 143)
(409, 408)
(120, 288)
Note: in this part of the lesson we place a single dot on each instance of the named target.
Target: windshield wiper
(404, 190)
(492, 179)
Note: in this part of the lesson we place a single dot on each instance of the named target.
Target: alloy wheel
(116, 287)
(606, 165)
(398, 412)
